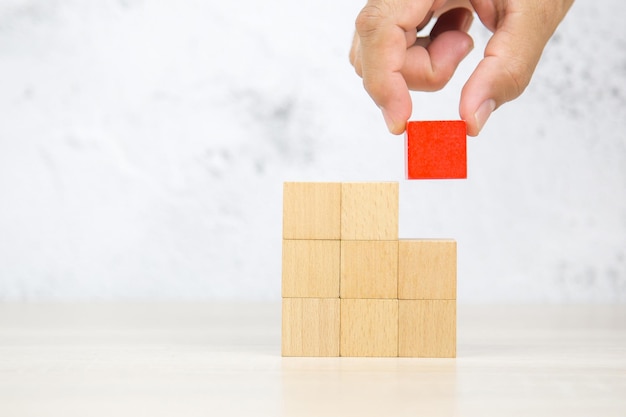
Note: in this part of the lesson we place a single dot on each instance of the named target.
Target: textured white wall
(143, 146)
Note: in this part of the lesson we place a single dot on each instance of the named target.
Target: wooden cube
(310, 327)
(427, 328)
(311, 210)
(369, 327)
(436, 149)
(427, 269)
(369, 211)
(369, 269)
(311, 268)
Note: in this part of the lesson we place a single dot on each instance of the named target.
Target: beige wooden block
(311, 268)
(369, 211)
(427, 269)
(369, 327)
(369, 269)
(427, 328)
(310, 327)
(311, 210)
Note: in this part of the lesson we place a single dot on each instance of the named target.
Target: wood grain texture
(369, 269)
(311, 268)
(369, 327)
(369, 211)
(427, 269)
(427, 328)
(310, 327)
(311, 210)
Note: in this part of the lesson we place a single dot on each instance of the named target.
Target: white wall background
(143, 146)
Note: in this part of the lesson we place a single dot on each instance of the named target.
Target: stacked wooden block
(350, 287)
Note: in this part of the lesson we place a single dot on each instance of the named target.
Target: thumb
(511, 57)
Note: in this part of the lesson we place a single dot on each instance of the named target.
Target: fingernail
(483, 113)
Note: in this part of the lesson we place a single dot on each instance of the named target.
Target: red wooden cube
(436, 149)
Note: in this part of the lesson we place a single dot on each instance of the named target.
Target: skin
(390, 57)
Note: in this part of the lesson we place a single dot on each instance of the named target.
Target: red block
(436, 150)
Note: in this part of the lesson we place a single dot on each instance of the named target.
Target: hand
(391, 58)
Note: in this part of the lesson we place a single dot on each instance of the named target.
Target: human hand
(391, 58)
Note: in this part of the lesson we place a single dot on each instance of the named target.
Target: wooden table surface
(223, 359)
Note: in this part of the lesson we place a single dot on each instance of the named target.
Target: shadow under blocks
(350, 287)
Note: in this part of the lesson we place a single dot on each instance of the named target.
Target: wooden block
(311, 210)
(427, 328)
(310, 327)
(427, 269)
(436, 149)
(311, 268)
(369, 211)
(369, 269)
(369, 327)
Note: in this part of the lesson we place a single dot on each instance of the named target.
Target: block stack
(350, 287)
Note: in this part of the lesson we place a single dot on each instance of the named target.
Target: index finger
(382, 27)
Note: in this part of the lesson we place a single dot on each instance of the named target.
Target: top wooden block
(311, 210)
(436, 149)
(369, 211)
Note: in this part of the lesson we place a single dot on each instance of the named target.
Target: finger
(456, 19)
(382, 27)
(355, 60)
(511, 57)
(425, 21)
(501, 76)
(453, 4)
(430, 68)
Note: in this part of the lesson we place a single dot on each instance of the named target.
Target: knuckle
(354, 50)
(438, 79)
(435, 80)
(373, 87)
(518, 72)
(352, 57)
(368, 19)
(358, 69)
